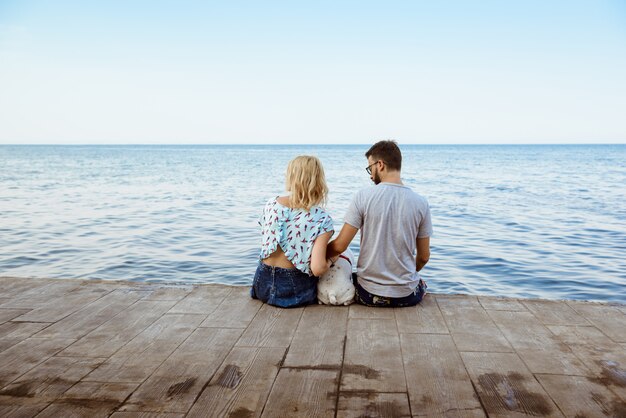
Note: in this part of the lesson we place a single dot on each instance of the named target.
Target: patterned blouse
(294, 230)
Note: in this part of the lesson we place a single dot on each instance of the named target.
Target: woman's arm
(319, 264)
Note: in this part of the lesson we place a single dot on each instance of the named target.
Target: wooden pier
(95, 348)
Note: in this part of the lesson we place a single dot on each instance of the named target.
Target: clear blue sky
(325, 71)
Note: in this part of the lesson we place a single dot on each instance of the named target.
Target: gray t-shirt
(391, 217)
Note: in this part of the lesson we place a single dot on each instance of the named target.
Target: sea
(527, 221)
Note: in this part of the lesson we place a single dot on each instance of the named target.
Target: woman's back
(288, 234)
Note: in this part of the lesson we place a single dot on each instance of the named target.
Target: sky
(239, 72)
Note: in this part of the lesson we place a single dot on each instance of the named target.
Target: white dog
(335, 286)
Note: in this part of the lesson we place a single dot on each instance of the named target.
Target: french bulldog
(335, 286)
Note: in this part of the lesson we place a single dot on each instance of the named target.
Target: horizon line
(310, 144)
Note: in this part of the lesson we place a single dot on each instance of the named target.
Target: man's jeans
(286, 288)
(364, 297)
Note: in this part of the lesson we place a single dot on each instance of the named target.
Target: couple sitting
(395, 229)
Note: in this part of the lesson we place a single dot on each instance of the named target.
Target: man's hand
(341, 243)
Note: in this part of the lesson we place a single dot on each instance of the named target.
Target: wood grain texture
(89, 399)
(51, 378)
(66, 304)
(90, 317)
(579, 396)
(241, 385)
(137, 414)
(203, 300)
(236, 310)
(20, 407)
(609, 319)
(271, 327)
(436, 377)
(604, 358)
(366, 312)
(20, 330)
(554, 312)
(536, 345)
(303, 393)
(119, 330)
(8, 314)
(319, 338)
(491, 303)
(127, 353)
(470, 326)
(506, 387)
(25, 355)
(423, 318)
(372, 404)
(34, 296)
(373, 359)
(176, 384)
(143, 354)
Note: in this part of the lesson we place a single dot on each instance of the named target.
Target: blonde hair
(306, 182)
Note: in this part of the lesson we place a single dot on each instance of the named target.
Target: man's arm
(341, 243)
(423, 252)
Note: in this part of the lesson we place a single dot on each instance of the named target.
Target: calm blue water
(524, 221)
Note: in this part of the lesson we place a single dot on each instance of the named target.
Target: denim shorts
(363, 297)
(286, 288)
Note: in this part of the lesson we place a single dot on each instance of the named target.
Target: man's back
(391, 217)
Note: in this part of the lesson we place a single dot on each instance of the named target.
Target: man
(395, 229)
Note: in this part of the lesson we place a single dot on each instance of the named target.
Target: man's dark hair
(388, 151)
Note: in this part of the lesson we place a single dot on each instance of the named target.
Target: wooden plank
(235, 311)
(89, 399)
(82, 322)
(66, 304)
(202, 300)
(51, 378)
(581, 397)
(609, 319)
(605, 358)
(506, 387)
(241, 385)
(6, 343)
(554, 312)
(437, 381)
(19, 407)
(371, 404)
(368, 312)
(115, 333)
(373, 360)
(423, 318)
(536, 345)
(13, 287)
(470, 326)
(146, 415)
(319, 338)
(41, 295)
(8, 314)
(143, 354)
(271, 327)
(175, 385)
(100, 391)
(78, 408)
(25, 355)
(491, 303)
(20, 330)
(168, 292)
(303, 393)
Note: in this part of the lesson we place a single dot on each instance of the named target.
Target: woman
(295, 233)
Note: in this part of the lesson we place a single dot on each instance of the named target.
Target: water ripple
(524, 221)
